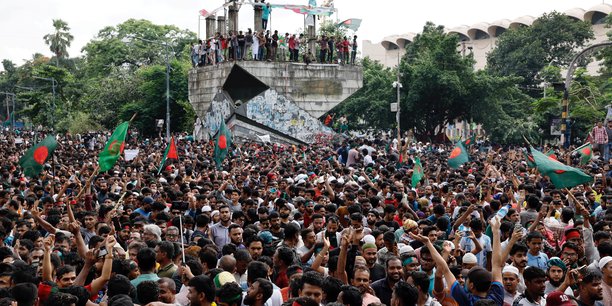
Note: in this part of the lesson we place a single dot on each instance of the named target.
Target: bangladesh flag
(352, 24)
(114, 147)
(561, 175)
(458, 156)
(417, 172)
(8, 120)
(34, 159)
(171, 153)
(223, 142)
(586, 153)
(529, 158)
(551, 154)
(470, 141)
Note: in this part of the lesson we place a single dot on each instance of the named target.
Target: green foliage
(331, 29)
(126, 46)
(78, 122)
(553, 39)
(370, 105)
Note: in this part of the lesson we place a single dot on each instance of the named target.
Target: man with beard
(219, 233)
(569, 254)
(605, 265)
(306, 251)
(312, 286)
(331, 233)
(510, 276)
(556, 276)
(373, 217)
(361, 280)
(145, 209)
(384, 287)
(258, 293)
(518, 255)
(591, 291)
(255, 247)
(235, 234)
(535, 282)
(377, 271)
(284, 212)
(201, 291)
(276, 226)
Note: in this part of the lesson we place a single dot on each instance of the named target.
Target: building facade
(479, 39)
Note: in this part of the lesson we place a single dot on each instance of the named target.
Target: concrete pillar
(210, 26)
(312, 35)
(257, 18)
(221, 25)
(232, 18)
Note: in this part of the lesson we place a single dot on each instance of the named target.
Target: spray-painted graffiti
(220, 109)
(276, 111)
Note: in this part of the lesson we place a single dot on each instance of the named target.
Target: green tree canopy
(59, 40)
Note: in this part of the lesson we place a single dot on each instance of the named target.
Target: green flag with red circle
(458, 156)
(417, 172)
(586, 153)
(171, 153)
(223, 142)
(34, 159)
(114, 147)
(562, 176)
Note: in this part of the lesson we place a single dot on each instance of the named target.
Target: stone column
(210, 27)
(232, 18)
(312, 36)
(221, 25)
(257, 19)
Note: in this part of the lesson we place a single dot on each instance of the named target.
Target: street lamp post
(397, 85)
(53, 85)
(166, 45)
(12, 118)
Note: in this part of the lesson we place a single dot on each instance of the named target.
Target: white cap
(469, 258)
(604, 261)
(406, 249)
(369, 239)
(206, 208)
(511, 269)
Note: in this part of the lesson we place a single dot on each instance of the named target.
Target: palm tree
(60, 40)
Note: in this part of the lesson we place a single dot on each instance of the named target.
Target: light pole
(397, 85)
(53, 85)
(12, 118)
(565, 126)
(166, 45)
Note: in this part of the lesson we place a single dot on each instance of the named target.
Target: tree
(369, 106)
(553, 39)
(60, 40)
(438, 83)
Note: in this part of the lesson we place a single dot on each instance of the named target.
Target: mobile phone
(518, 227)
(582, 270)
(102, 252)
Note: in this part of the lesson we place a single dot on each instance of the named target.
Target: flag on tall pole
(223, 142)
(470, 141)
(458, 156)
(529, 159)
(114, 147)
(34, 159)
(171, 153)
(562, 176)
(586, 153)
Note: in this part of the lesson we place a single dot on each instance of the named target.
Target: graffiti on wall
(277, 112)
(220, 109)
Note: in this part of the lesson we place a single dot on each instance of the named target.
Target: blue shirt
(540, 260)
(463, 298)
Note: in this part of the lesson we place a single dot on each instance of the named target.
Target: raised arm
(440, 262)
(496, 267)
(99, 283)
(316, 265)
(47, 268)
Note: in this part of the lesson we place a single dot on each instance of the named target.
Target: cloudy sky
(25, 22)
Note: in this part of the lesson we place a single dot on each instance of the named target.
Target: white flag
(264, 138)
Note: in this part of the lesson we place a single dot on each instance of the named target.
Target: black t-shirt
(377, 272)
(241, 40)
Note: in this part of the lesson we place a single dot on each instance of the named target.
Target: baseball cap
(558, 298)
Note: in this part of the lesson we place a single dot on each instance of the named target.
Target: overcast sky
(25, 22)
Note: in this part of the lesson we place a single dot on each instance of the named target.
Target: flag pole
(182, 233)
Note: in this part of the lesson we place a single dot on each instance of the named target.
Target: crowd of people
(266, 46)
(325, 224)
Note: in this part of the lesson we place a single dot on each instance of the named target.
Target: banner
(130, 154)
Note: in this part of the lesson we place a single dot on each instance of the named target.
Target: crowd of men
(266, 46)
(325, 224)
